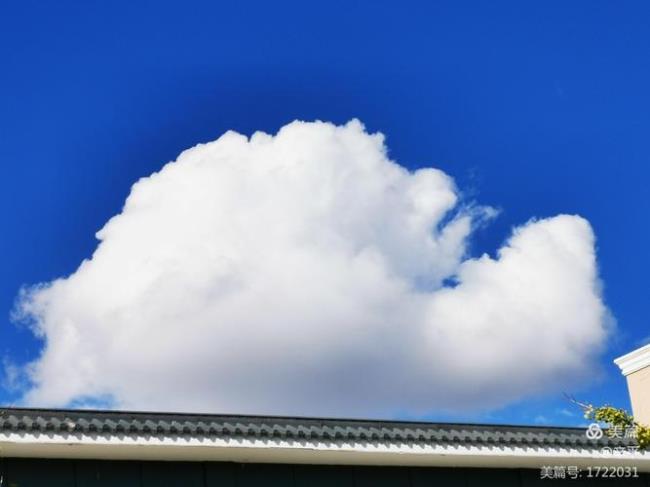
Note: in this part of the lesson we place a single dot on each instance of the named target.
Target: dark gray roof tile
(300, 429)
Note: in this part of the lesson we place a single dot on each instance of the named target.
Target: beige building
(636, 368)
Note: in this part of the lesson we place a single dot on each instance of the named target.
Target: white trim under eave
(82, 446)
(634, 361)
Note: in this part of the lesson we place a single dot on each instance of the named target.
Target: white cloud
(303, 273)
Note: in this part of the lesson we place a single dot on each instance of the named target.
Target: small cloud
(15, 378)
(566, 413)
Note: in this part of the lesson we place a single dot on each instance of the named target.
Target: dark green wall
(86, 473)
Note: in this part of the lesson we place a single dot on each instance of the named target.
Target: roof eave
(305, 452)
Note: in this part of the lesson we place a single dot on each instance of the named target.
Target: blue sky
(536, 109)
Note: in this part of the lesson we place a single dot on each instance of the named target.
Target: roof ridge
(271, 418)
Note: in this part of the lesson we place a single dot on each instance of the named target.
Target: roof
(148, 435)
(634, 361)
(299, 428)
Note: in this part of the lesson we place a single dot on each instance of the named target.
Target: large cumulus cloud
(307, 273)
